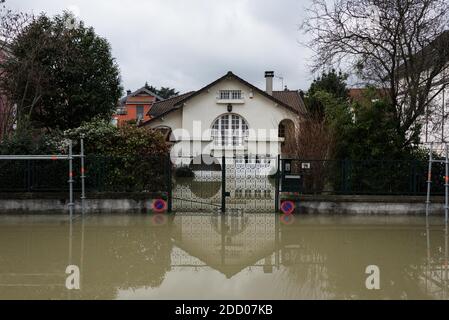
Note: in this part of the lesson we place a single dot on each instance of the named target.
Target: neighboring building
(434, 122)
(229, 117)
(366, 95)
(134, 107)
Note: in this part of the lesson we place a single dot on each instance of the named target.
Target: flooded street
(208, 256)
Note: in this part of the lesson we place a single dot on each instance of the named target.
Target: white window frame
(229, 130)
(230, 95)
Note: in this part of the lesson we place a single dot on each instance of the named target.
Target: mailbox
(290, 180)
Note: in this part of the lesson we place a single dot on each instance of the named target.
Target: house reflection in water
(232, 256)
(227, 243)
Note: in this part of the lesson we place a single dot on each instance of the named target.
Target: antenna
(282, 81)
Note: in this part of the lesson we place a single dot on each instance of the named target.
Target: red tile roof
(291, 98)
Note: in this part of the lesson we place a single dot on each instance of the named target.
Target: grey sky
(188, 43)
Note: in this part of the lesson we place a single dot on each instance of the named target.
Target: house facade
(135, 106)
(435, 121)
(228, 117)
(432, 60)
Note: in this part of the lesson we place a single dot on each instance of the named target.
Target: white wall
(435, 125)
(172, 120)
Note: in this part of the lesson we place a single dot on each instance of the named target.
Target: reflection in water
(227, 244)
(237, 256)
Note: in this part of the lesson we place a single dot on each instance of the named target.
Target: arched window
(229, 130)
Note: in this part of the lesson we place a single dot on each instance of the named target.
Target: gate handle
(227, 194)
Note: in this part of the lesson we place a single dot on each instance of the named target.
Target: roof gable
(230, 76)
(140, 92)
(288, 99)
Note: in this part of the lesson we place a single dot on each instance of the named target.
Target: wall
(131, 108)
(142, 203)
(367, 208)
(58, 202)
(366, 205)
(431, 130)
(91, 205)
(172, 120)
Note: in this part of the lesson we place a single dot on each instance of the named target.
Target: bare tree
(310, 140)
(11, 24)
(401, 45)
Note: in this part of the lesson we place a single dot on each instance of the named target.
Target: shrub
(128, 158)
(131, 158)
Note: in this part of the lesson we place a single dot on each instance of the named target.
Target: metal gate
(196, 187)
(241, 184)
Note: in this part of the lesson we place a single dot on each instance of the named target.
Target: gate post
(223, 184)
(276, 195)
(169, 184)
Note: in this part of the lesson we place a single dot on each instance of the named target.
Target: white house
(229, 117)
(434, 65)
(435, 120)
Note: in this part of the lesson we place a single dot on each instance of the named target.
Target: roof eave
(232, 75)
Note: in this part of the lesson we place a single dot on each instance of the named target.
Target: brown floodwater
(238, 256)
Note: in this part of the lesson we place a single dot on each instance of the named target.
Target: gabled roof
(231, 75)
(139, 91)
(288, 99)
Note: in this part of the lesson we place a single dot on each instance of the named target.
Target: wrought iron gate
(229, 184)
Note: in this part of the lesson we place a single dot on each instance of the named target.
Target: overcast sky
(187, 44)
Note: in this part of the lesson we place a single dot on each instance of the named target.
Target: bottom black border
(163, 309)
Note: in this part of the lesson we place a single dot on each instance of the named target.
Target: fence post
(429, 179)
(71, 204)
(276, 195)
(83, 191)
(169, 184)
(446, 184)
(223, 184)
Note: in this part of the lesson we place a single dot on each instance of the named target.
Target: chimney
(269, 75)
(128, 92)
